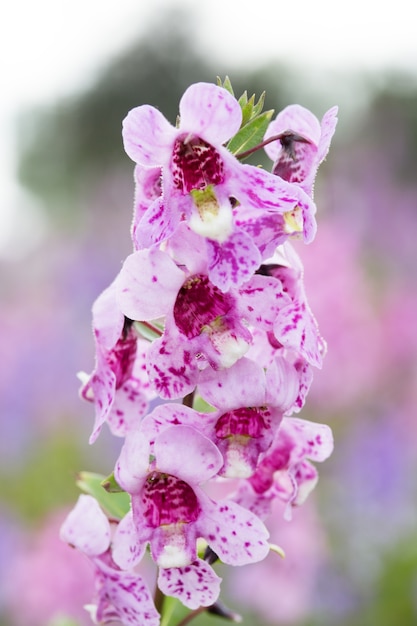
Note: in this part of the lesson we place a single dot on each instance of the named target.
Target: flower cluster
(205, 347)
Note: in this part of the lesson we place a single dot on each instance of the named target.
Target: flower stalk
(205, 350)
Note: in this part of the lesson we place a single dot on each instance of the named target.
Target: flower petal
(128, 408)
(148, 137)
(296, 328)
(173, 370)
(171, 414)
(232, 262)
(328, 126)
(194, 585)
(184, 452)
(128, 547)
(124, 597)
(309, 439)
(86, 527)
(282, 383)
(241, 385)
(294, 118)
(210, 112)
(133, 462)
(235, 534)
(108, 319)
(148, 284)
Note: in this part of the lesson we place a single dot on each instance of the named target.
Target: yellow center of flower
(212, 219)
(294, 221)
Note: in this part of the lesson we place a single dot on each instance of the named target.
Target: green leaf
(257, 108)
(172, 606)
(202, 406)
(116, 505)
(111, 485)
(226, 84)
(250, 135)
(247, 111)
(243, 99)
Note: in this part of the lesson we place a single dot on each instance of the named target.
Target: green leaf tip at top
(250, 135)
(254, 121)
(226, 84)
(116, 503)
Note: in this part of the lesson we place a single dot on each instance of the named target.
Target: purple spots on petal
(195, 164)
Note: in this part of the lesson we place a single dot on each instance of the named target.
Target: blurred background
(70, 72)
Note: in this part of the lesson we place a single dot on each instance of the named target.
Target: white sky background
(48, 48)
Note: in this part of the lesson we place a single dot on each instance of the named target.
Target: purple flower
(295, 326)
(203, 325)
(148, 188)
(118, 385)
(121, 595)
(171, 511)
(205, 185)
(250, 404)
(304, 143)
(285, 471)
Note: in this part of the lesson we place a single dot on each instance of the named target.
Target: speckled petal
(210, 112)
(128, 546)
(129, 406)
(124, 597)
(235, 534)
(148, 137)
(108, 319)
(310, 439)
(262, 298)
(184, 452)
(173, 366)
(101, 387)
(243, 384)
(232, 262)
(194, 585)
(172, 414)
(296, 328)
(148, 284)
(282, 384)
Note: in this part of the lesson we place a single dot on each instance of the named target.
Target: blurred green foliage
(67, 146)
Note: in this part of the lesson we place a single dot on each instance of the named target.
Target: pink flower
(121, 595)
(250, 404)
(285, 471)
(295, 326)
(203, 325)
(171, 511)
(204, 184)
(118, 385)
(303, 145)
(148, 189)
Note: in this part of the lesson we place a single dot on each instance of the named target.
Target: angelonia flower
(205, 350)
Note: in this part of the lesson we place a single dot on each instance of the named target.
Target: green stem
(159, 600)
(187, 619)
(189, 400)
(243, 155)
(294, 137)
